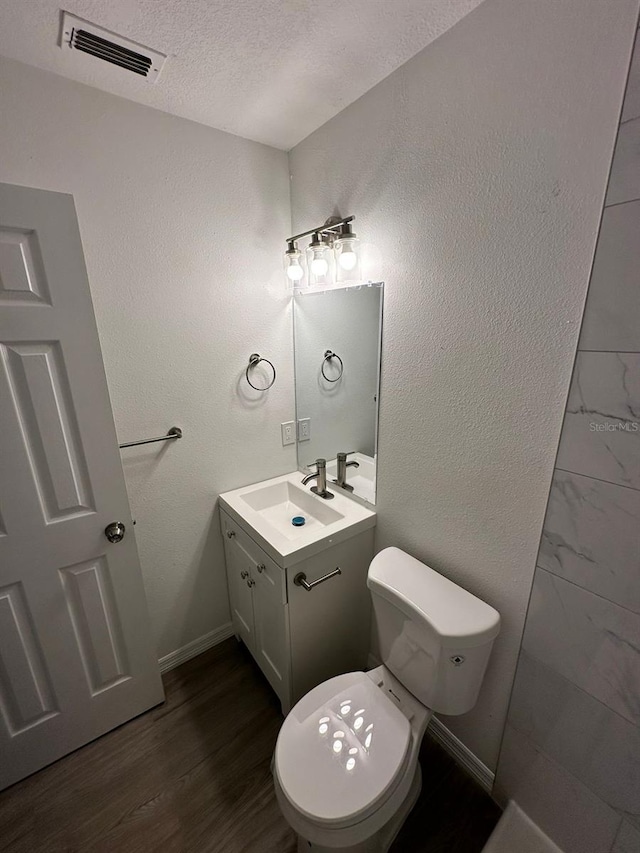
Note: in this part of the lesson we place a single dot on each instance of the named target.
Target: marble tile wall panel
(591, 536)
(560, 719)
(565, 809)
(590, 641)
(627, 841)
(601, 431)
(612, 314)
(624, 182)
(571, 752)
(631, 107)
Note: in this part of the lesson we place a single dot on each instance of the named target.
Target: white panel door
(76, 656)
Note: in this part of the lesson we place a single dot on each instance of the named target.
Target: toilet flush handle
(301, 579)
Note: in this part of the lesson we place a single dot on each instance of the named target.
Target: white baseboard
(195, 647)
(456, 749)
(462, 754)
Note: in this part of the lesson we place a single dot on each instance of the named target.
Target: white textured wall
(479, 169)
(181, 226)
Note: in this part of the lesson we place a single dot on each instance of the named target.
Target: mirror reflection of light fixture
(333, 256)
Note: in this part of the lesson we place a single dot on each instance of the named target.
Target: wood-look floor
(193, 776)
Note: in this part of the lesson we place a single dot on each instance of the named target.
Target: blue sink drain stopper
(298, 520)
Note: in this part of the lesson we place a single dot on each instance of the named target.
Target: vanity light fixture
(333, 255)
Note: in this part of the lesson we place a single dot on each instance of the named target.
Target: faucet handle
(319, 463)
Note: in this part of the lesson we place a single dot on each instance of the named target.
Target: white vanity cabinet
(299, 637)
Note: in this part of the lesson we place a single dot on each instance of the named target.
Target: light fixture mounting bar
(322, 229)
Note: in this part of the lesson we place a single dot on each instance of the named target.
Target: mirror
(337, 338)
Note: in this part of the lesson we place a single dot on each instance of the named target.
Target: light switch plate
(304, 429)
(288, 430)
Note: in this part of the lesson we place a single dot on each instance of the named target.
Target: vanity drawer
(264, 570)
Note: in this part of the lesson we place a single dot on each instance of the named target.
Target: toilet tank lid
(458, 617)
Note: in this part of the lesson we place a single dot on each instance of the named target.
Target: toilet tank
(434, 636)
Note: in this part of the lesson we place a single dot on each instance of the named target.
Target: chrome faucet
(341, 474)
(320, 475)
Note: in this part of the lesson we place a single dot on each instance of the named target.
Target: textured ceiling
(269, 70)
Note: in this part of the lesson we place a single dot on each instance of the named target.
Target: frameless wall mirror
(337, 340)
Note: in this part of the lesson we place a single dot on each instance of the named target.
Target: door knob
(115, 531)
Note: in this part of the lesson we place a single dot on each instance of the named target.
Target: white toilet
(345, 767)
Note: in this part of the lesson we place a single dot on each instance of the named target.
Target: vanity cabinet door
(239, 576)
(271, 619)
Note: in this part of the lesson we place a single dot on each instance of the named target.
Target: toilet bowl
(345, 766)
(337, 790)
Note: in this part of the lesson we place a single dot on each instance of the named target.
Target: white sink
(266, 511)
(279, 503)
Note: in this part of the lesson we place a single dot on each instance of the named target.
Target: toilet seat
(342, 751)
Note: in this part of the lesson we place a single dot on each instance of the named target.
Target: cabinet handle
(230, 534)
(244, 575)
(251, 583)
(301, 579)
(261, 567)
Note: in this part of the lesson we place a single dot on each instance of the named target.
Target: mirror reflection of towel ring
(328, 355)
(254, 361)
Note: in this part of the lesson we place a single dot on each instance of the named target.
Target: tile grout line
(597, 479)
(584, 589)
(579, 689)
(619, 203)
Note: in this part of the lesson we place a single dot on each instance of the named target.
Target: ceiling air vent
(110, 47)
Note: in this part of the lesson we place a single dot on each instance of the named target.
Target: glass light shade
(347, 250)
(294, 271)
(319, 263)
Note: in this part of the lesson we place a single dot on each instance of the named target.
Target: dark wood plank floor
(193, 776)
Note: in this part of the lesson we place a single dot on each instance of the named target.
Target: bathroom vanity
(298, 595)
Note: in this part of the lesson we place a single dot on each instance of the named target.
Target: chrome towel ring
(328, 355)
(254, 361)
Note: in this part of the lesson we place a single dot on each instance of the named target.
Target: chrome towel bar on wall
(174, 432)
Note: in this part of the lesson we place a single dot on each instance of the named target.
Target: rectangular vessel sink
(280, 502)
(266, 510)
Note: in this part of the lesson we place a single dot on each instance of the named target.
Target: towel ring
(328, 355)
(254, 361)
